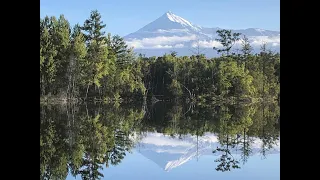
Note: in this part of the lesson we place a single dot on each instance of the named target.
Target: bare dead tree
(197, 50)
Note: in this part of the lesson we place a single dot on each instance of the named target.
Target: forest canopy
(83, 62)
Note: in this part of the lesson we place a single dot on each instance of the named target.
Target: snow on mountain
(171, 152)
(174, 18)
(168, 23)
(172, 32)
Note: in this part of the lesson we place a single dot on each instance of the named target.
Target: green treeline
(81, 140)
(85, 62)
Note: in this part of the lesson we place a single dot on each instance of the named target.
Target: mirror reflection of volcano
(171, 152)
(97, 141)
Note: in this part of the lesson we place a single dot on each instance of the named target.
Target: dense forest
(80, 140)
(85, 63)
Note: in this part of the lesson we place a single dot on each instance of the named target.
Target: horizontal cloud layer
(206, 44)
(160, 42)
(165, 42)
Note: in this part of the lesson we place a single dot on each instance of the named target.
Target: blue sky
(159, 157)
(126, 16)
(136, 166)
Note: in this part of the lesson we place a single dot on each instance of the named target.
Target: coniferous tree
(77, 63)
(227, 40)
(48, 52)
(97, 53)
(84, 61)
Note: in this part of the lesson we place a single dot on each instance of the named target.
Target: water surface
(160, 141)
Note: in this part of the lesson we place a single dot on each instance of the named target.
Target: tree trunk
(187, 90)
(87, 92)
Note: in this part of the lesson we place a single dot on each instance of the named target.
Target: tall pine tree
(97, 55)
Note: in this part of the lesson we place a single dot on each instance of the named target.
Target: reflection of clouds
(188, 147)
(211, 137)
(170, 151)
(257, 144)
(159, 139)
(171, 30)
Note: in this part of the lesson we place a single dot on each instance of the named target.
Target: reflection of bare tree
(268, 142)
(245, 148)
(268, 138)
(137, 139)
(83, 139)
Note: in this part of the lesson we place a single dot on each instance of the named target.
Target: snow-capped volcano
(169, 21)
(171, 32)
(174, 18)
(166, 25)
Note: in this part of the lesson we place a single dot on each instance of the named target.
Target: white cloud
(172, 30)
(135, 44)
(179, 46)
(259, 40)
(160, 41)
(161, 47)
(255, 41)
(163, 42)
(206, 44)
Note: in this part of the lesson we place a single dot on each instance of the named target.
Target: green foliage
(82, 140)
(48, 66)
(93, 27)
(227, 40)
(86, 63)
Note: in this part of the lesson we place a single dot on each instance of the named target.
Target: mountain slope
(172, 32)
(167, 24)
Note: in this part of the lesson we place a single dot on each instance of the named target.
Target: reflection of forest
(84, 139)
